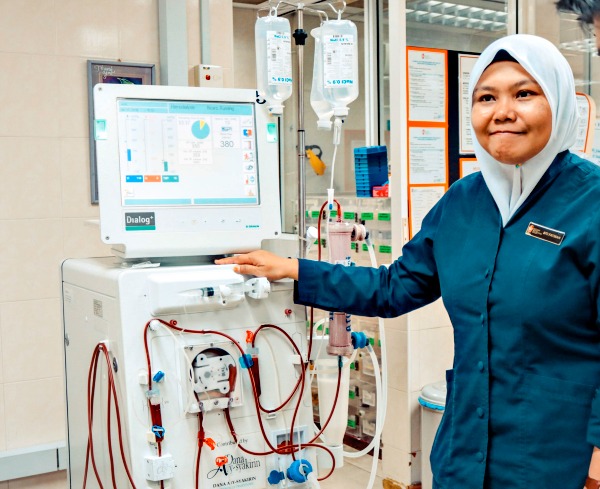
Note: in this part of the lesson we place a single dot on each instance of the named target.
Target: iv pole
(300, 36)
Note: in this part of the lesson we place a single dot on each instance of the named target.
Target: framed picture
(111, 72)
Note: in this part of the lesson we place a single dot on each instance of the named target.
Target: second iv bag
(340, 64)
(273, 60)
(322, 107)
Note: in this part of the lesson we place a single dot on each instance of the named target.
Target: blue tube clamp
(299, 470)
(359, 339)
(275, 477)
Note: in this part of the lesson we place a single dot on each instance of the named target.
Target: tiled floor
(354, 475)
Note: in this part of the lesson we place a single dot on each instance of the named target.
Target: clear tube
(381, 386)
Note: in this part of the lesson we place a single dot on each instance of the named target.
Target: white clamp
(257, 288)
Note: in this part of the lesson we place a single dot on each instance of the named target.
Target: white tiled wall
(34, 412)
(36, 354)
(45, 209)
(2, 421)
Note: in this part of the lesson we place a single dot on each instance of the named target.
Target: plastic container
(340, 64)
(327, 375)
(340, 341)
(272, 37)
(433, 402)
(368, 423)
(368, 395)
(322, 107)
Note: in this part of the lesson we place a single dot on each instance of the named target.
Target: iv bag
(272, 36)
(340, 64)
(322, 107)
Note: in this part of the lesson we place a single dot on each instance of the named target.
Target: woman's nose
(504, 110)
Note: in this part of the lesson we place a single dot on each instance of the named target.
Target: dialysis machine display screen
(178, 153)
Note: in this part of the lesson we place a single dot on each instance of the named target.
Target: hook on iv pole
(339, 12)
(274, 7)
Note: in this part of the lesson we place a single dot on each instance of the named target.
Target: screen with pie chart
(178, 153)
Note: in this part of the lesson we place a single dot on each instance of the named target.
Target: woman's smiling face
(511, 116)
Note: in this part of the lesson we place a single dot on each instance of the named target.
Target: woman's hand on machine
(263, 264)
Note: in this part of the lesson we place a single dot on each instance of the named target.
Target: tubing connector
(330, 198)
(154, 325)
(299, 470)
(359, 339)
(337, 126)
(246, 360)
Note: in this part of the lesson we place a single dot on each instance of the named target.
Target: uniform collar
(556, 167)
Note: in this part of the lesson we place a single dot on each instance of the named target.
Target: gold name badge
(544, 233)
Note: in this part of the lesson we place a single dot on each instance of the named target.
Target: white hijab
(510, 185)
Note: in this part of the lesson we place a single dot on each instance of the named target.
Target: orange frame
(425, 124)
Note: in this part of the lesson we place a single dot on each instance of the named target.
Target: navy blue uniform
(522, 408)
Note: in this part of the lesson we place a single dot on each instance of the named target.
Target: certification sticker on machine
(231, 468)
(140, 221)
(98, 308)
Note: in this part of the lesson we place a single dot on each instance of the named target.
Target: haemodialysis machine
(179, 373)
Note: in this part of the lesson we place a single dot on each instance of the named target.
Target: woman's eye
(524, 94)
(486, 98)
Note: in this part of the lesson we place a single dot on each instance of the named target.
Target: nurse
(514, 252)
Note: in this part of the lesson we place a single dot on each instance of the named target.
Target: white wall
(44, 192)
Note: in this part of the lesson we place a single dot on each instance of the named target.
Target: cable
(298, 352)
(339, 216)
(381, 383)
(112, 393)
(200, 445)
(284, 451)
(90, 403)
(109, 439)
(173, 324)
(378, 411)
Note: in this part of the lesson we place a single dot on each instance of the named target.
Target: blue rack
(370, 169)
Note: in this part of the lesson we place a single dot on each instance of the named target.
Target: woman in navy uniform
(514, 252)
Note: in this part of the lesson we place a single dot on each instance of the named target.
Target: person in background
(587, 11)
(514, 252)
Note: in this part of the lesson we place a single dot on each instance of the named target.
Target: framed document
(111, 72)
(468, 166)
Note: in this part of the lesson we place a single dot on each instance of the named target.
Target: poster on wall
(427, 98)
(585, 130)
(428, 155)
(465, 66)
(595, 155)
(421, 201)
(468, 166)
